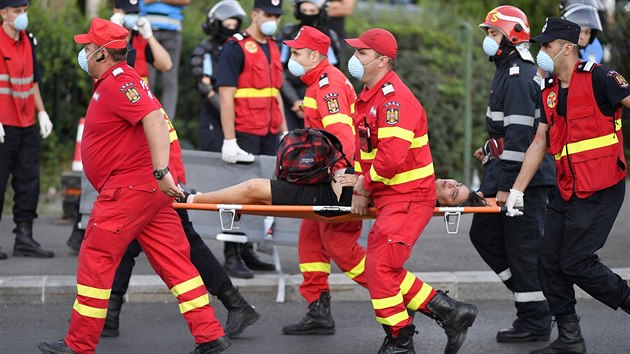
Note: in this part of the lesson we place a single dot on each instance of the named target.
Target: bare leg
(253, 191)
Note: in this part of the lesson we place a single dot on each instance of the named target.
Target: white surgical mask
(490, 46)
(21, 22)
(545, 61)
(268, 28)
(296, 68)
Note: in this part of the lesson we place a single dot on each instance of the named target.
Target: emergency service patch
(251, 47)
(621, 81)
(515, 70)
(552, 99)
(332, 102)
(392, 115)
(132, 94)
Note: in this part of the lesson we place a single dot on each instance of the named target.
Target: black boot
(3, 255)
(318, 319)
(569, 340)
(25, 245)
(513, 335)
(113, 316)
(454, 316)
(240, 313)
(76, 237)
(626, 305)
(216, 346)
(402, 344)
(234, 265)
(252, 260)
(59, 346)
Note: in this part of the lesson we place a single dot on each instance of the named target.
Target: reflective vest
(255, 100)
(17, 91)
(587, 145)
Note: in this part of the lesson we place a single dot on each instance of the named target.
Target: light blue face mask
(268, 28)
(490, 46)
(130, 21)
(82, 60)
(296, 68)
(356, 69)
(21, 22)
(545, 61)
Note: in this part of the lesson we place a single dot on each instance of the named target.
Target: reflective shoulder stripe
(94, 293)
(395, 132)
(510, 155)
(187, 286)
(256, 93)
(310, 102)
(403, 177)
(519, 119)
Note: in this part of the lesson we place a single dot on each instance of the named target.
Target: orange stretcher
(230, 213)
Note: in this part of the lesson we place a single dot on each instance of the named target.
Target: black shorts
(285, 193)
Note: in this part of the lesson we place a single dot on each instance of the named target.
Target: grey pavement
(444, 261)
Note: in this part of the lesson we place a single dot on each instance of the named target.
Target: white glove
(118, 18)
(232, 153)
(515, 199)
(1, 134)
(45, 125)
(144, 27)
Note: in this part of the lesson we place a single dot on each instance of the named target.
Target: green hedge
(431, 62)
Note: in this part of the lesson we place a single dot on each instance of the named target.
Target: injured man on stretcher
(338, 192)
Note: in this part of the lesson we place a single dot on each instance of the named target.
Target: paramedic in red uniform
(126, 158)
(396, 175)
(580, 125)
(328, 104)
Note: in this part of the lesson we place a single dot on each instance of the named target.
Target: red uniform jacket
(588, 146)
(329, 104)
(17, 92)
(256, 106)
(395, 158)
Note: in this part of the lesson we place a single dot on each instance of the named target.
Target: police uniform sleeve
(396, 122)
(132, 99)
(521, 114)
(610, 88)
(37, 77)
(230, 65)
(334, 108)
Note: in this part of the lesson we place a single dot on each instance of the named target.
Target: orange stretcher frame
(329, 214)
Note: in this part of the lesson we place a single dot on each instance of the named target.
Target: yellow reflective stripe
(394, 319)
(395, 132)
(310, 103)
(420, 297)
(315, 267)
(420, 141)
(256, 93)
(95, 293)
(588, 144)
(368, 155)
(379, 304)
(187, 286)
(357, 167)
(89, 311)
(338, 118)
(352, 107)
(201, 301)
(172, 135)
(407, 283)
(403, 177)
(356, 271)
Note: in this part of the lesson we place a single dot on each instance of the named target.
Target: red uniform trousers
(119, 216)
(392, 288)
(320, 242)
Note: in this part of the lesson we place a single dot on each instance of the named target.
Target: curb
(469, 285)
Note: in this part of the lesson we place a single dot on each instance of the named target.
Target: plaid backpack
(307, 156)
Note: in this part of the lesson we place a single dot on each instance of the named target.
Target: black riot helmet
(584, 13)
(311, 20)
(223, 10)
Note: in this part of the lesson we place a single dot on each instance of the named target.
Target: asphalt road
(159, 329)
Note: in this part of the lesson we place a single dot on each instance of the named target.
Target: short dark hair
(118, 54)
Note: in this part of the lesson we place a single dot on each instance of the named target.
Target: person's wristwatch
(160, 173)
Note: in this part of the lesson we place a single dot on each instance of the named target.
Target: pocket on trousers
(399, 250)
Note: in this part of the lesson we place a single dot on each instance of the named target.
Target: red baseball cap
(311, 38)
(377, 39)
(105, 34)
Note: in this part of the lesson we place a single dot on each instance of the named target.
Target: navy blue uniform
(510, 245)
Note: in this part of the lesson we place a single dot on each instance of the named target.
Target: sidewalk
(444, 261)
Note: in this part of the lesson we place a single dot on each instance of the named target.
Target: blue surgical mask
(268, 28)
(490, 46)
(296, 68)
(130, 21)
(82, 59)
(545, 61)
(355, 68)
(21, 22)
